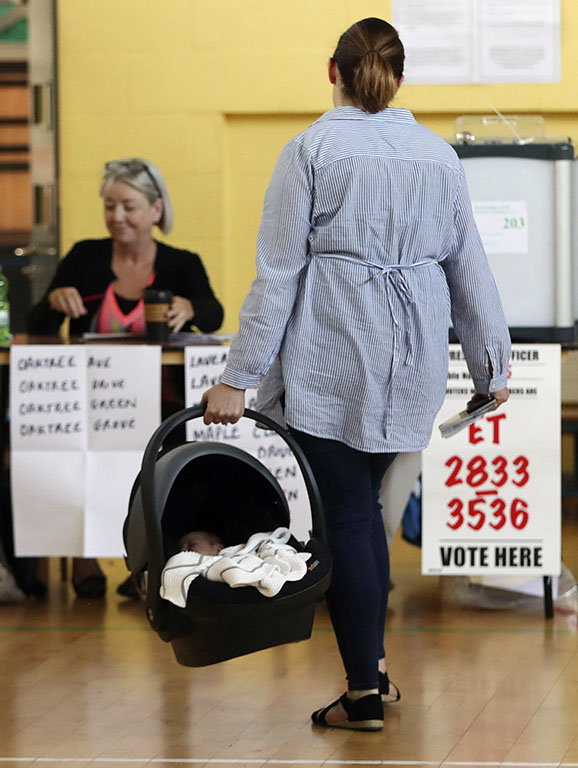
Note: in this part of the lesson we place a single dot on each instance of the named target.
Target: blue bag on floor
(411, 520)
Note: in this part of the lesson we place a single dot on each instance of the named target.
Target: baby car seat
(222, 488)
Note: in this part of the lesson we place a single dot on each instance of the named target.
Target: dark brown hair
(369, 56)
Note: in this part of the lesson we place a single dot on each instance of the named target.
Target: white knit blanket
(265, 562)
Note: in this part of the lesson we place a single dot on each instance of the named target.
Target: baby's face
(203, 542)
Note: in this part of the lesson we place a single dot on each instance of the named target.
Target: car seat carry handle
(152, 515)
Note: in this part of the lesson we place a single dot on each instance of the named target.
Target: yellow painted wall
(210, 90)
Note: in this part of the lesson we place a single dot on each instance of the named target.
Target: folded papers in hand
(463, 419)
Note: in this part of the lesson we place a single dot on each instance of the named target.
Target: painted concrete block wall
(210, 90)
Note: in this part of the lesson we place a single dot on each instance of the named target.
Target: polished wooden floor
(485, 680)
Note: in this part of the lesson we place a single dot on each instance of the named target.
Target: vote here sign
(491, 494)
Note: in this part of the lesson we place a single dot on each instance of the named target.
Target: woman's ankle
(359, 694)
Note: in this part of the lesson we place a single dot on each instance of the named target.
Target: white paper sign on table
(48, 435)
(80, 417)
(124, 384)
(203, 366)
(491, 494)
(48, 398)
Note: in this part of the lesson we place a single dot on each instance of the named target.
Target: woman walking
(367, 251)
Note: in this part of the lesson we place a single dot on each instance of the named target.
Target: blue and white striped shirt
(367, 246)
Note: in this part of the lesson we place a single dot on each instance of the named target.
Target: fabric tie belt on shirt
(395, 280)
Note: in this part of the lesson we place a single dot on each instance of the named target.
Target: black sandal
(128, 588)
(88, 579)
(91, 586)
(386, 696)
(364, 714)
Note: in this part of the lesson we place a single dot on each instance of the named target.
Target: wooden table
(173, 349)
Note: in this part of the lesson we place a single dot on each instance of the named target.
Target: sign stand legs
(548, 601)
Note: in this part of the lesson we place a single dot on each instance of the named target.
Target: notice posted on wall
(203, 367)
(80, 418)
(479, 41)
(491, 500)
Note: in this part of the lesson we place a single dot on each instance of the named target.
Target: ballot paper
(463, 419)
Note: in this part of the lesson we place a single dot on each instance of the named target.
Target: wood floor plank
(87, 679)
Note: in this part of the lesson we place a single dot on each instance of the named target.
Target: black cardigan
(87, 267)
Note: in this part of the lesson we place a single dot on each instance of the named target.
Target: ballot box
(521, 189)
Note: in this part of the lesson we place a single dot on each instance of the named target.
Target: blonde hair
(370, 57)
(145, 177)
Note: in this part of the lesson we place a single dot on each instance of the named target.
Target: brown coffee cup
(157, 304)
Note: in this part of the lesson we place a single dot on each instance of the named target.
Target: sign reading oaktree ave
(80, 418)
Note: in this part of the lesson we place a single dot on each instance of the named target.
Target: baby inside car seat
(220, 488)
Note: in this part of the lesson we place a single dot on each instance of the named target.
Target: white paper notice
(124, 384)
(519, 41)
(80, 419)
(479, 41)
(124, 396)
(491, 494)
(48, 436)
(203, 366)
(437, 38)
(48, 398)
(503, 226)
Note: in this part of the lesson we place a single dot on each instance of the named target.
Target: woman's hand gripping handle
(225, 404)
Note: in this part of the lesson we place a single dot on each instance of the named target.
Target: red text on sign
(477, 431)
(478, 471)
(479, 511)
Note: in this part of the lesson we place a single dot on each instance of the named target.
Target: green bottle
(5, 335)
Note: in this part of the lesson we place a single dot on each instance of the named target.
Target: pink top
(111, 319)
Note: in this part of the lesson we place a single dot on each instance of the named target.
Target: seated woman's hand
(67, 300)
(180, 312)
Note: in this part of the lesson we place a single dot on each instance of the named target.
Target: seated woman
(100, 284)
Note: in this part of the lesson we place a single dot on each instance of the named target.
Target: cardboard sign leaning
(491, 499)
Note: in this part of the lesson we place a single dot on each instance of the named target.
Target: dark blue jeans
(349, 483)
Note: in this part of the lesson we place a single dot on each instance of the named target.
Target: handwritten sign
(124, 388)
(203, 366)
(80, 418)
(491, 494)
(48, 398)
(124, 395)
